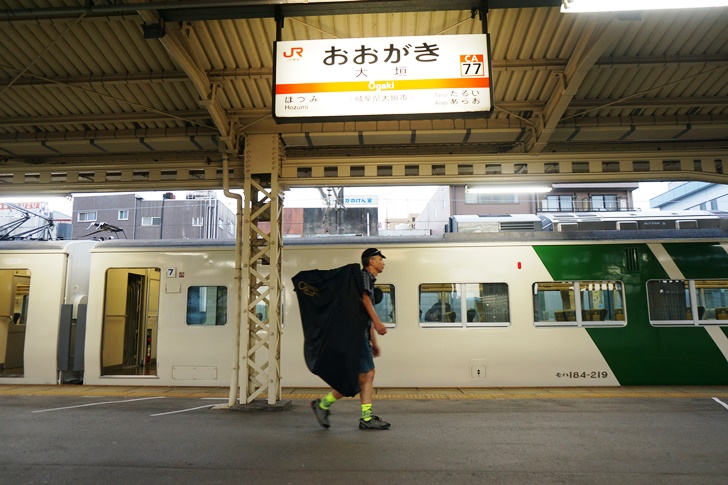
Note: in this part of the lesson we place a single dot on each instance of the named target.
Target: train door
(129, 333)
(14, 290)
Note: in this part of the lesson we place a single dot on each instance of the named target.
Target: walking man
(372, 261)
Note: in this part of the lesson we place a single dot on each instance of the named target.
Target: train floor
(117, 434)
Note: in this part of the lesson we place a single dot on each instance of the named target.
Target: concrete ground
(109, 435)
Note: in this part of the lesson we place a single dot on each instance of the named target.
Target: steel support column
(261, 279)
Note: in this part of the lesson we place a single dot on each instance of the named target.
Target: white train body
(168, 347)
(413, 356)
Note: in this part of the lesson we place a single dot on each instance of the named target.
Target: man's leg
(321, 407)
(366, 386)
(368, 420)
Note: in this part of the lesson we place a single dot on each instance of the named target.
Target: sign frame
(289, 51)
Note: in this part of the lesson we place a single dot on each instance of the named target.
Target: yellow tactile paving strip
(464, 393)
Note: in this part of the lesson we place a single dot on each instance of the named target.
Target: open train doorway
(14, 291)
(130, 326)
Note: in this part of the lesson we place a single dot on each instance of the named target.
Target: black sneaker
(374, 423)
(322, 415)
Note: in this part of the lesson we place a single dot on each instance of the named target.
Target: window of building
(599, 303)
(464, 305)
(197, 221)
(151, 221)
(474, 198)
(385, 306)
(88, 216)
(206, 305)
(564, 203)
(123, 215)
(604, 203)
(220, 224)
(688, 302)
(231, 228)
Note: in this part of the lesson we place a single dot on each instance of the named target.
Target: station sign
(382, 78)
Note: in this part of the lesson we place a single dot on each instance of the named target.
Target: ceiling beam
(166, 172)
(596, 37)
(237, 114)
(177, 45)
(705, 101)
(41, 136)
(266, 124)
(188, 10)
(221, 75)
(90, 118)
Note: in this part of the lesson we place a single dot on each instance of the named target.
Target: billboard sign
(443, 76)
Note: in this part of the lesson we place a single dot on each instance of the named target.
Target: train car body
(532, 346)
(535, 309)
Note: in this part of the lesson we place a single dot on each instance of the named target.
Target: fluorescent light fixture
(507, 189)
(585, 6)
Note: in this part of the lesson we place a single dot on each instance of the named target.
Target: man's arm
(373, 339)
(378, 325)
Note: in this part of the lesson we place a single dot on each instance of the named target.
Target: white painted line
(96, 404)
(215, 398)
(184, 410)
(720, 402)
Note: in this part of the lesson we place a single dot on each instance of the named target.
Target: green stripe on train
(638, 353)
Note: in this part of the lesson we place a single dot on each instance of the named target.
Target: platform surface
(109, 435)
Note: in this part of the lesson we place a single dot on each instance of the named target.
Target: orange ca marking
(379, 86)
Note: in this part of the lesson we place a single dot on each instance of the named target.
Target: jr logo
(295, 51)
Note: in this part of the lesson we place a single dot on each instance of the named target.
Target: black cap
(368, 253)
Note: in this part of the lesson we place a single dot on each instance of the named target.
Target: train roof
(631, 215)
(164, 243)
(657, 235)
(30, 245)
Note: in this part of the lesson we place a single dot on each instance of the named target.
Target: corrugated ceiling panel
(115, 45)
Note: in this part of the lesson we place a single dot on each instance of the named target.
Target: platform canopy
(124, 94)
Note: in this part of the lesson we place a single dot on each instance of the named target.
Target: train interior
(15, 288)
(131, 314)
(477, 302)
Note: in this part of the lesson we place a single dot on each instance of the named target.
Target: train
(511, 309)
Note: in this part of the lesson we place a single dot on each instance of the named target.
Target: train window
(207, 305)
(688, 302)
(712, 300)
(599, 303)
(384, 306)
(464, 305)
(668, 301)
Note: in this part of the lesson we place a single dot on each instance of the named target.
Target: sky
(394, 202)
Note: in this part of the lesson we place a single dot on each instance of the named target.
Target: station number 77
(472, 65)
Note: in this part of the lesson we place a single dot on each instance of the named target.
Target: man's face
(377, 263)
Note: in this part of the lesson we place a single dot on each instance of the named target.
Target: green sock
(327, 401)
(366, 412)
